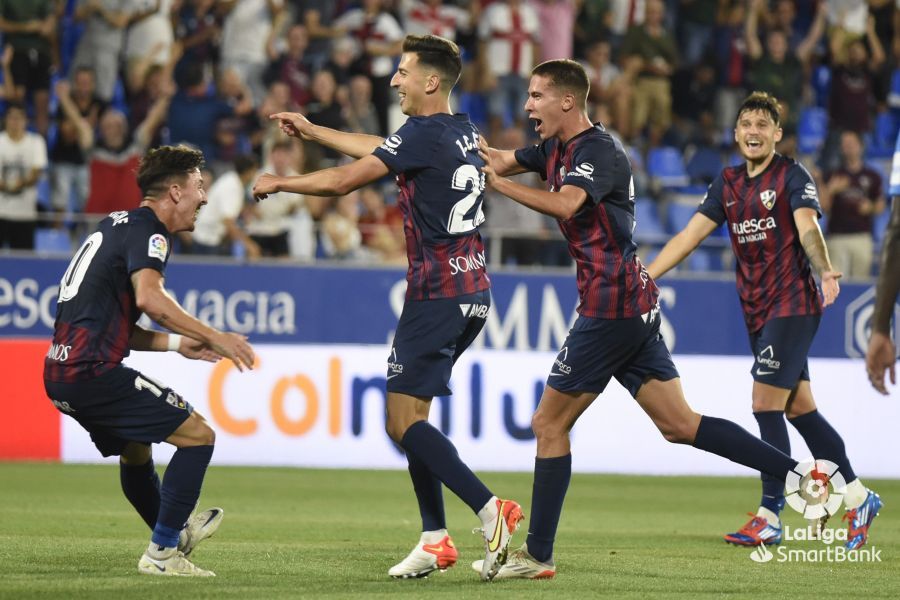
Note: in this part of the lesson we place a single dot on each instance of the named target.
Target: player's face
(192, 195)
(756, 135)
(544, 106)
(410, 81)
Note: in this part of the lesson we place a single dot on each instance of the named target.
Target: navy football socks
(823, 441)
(735, 443)
(140, 483)
(180, 492)
(551, 480)
(438, 453)
(428, 493)
(773, 430)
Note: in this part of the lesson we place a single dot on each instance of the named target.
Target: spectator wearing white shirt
(269, 223)
(23, 158)
(248, 36)
(508, 50)
(217, 225)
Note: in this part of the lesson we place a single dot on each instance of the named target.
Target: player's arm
(881, 355)
(355, 145)
(562, 204)
(679, 247)
(159, 341)
(504, 161)
(153, 300)
(336, 181)
(807, 221)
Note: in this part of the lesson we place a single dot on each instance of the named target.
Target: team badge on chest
(767, 198)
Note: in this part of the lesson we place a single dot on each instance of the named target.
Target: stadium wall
(316, 398)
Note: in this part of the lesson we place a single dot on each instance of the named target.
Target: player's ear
(568, 102)
(433, 83)
(779, 132)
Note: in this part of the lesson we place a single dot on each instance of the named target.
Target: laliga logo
(807, 488)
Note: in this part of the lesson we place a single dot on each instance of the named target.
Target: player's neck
(161, 213)
(437, 106)
(754, 168)
(572, 127)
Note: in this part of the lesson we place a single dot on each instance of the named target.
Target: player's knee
(545, 427)
(135, 454)
(395, 429)
(678, 432)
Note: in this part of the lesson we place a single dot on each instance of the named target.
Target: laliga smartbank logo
(815, 489)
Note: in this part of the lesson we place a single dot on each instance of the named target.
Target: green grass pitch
(66, 531)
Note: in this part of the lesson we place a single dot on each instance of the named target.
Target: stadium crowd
(89, 85)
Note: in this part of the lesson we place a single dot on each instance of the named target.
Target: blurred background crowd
(88, 85)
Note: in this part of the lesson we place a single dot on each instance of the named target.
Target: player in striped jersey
(434, 156)
(771, 207)
(591, 193)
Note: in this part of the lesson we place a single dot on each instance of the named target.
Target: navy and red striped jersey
(612, 282)
(438, 169)
(96, 310)
(774, 278)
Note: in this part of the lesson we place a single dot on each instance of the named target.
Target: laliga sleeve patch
(158, 247)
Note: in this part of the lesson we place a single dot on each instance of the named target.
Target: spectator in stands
(851, 197)
(693, 103)
(101, 42)
(609, 87)
(248, 36)
(198, 29)
(268, 223)
(508, 31)
(193, 113)
(341, 237)
(291, 68)
(380, 38)
(729, 50)
(381, 227)
(435, 17)
(146, 83)
(341, 62)
(361, 117)
(217, 228)
(778, 70)
(696, 20)
(650, 56)
(234, 133)
(68, 166)
(557, 27)
(150, 33)
(113, 158)
(23, 158)
(853, 75)
(591, 25)
(324, 110)
(29, 26)
(318, 16)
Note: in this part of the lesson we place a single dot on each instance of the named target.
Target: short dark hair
(438, 53)
(567, 75)
(244, 163)
(160, 165)
(762, 101)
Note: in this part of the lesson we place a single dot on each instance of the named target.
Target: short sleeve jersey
(438, 170)
(96, 309)
(612, 282)
(774, 277)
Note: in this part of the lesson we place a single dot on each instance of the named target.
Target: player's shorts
(121, 406)
(430, 337)
(780, 350)
(596, 350)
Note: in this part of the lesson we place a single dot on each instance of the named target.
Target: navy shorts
(781, 348)
(121, 406)
(596, 350)
(430, 337)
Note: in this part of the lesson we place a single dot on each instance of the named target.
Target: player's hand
(880, 357)
(235, 347)
(197, 350)
(265, 185)
(294, 124)
(484, 151)
(830, 286)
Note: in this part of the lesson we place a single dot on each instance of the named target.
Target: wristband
(174, 342)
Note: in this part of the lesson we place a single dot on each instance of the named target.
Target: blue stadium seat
(679, 213)
(704, 165)
(646, 217)
(53, 241)
(884, 137)
(700, 260)
(665, 165)
(821, 85)
(811, 129)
